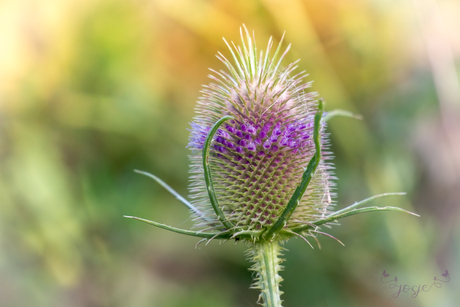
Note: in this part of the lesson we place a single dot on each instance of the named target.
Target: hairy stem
(265, 256)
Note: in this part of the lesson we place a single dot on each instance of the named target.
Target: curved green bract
(342, 113)
(306, 177)
(171, 190)
(359, 203)
(183, 231)
(207, 173)
(334, 217)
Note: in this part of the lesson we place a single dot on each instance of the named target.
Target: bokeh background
(90, 90)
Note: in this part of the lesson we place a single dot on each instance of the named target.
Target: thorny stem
(265, 256)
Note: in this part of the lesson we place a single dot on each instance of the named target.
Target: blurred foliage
(90, 90)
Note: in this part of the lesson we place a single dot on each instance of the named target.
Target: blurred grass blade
(181, 231)
(306, 177)
(207, 173)
(339, 112)
(171, 190)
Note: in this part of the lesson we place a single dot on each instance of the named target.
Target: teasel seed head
(260, 166)
(258, 157)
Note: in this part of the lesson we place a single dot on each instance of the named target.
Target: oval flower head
(257, 156)
(260, 166)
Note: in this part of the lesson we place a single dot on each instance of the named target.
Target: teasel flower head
(257, 158)
(260, 165)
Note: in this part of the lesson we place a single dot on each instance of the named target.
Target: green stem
(265, 256)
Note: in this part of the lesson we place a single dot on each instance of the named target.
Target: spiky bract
(257, 159)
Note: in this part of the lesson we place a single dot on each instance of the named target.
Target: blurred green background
(90, 90)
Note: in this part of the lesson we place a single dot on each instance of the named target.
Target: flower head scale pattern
(257, 159)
